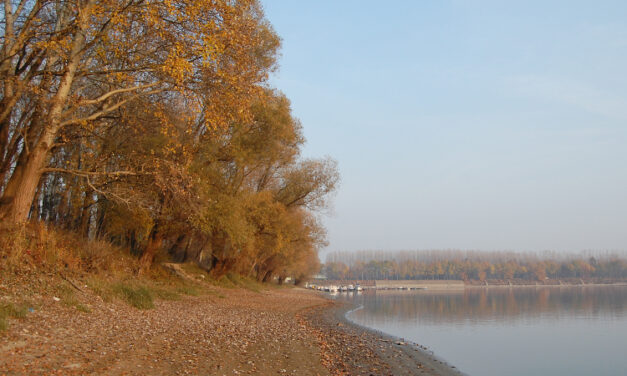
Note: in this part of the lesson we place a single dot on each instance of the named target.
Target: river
(514, 331)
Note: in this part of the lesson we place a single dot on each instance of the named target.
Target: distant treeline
(473, 265)
(511, 305)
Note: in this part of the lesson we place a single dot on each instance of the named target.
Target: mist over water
(509, 331)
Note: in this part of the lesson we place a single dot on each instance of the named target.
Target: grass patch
(10, 310)
(139, 297)
(194, 270)
(165, 294)
(188, 290)
(232, 280)
(102, 288)
(142, 293)
(83, 308)
(66, 294)
(37, 248)
(215, 293)
(245, 282)
(225, 282)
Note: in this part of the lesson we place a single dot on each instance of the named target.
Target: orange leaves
(173, 91)
(176, 66)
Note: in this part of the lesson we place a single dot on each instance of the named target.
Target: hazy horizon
(481, 126)
(450, 254)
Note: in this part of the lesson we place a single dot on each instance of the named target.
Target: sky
(472, 125)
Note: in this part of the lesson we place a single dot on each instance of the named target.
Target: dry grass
(11, 310)
(36, 259)
(189, 289)
(68, 297)
(231, 280)
(139, 297)
(35, 247)
(142, 292)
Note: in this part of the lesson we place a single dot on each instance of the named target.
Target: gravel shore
(225, 332)
(357, 350)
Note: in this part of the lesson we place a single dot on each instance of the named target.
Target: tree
(151, 125)
(68, 67)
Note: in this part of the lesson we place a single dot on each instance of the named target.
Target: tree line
(477, 266)
(151, 124)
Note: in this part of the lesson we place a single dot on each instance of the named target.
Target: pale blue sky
(464, 124)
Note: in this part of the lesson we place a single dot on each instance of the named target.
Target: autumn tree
(151, 125)
(257, 215)
(70, 66)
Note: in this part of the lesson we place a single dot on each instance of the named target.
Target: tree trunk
(22, 186)
(12, 185)
(154, 244)
(16, 207)
(267, 276)
(177, 251)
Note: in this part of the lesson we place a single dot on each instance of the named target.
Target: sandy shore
(224, 332)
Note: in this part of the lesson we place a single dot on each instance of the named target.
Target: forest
(152, 125)
(475, 266)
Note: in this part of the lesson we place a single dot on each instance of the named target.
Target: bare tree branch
(89, 173)
(114, 92)
(106, 110)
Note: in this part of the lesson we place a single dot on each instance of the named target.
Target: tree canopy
(151, 124)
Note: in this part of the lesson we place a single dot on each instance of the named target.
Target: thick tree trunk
(20, 193)
(85, 220)
(153, 246)
(177, 251)
(155, 240)
(25, 195)
(267, 276)
(16, 207)
(12, 186)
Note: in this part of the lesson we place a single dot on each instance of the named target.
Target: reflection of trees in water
(498, 304)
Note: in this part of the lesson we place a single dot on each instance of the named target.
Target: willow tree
(67, 67)
(258, 195)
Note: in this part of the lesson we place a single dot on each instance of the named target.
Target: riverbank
(357, 350)
(222, 332)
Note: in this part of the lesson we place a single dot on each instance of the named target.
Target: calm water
(509, 331)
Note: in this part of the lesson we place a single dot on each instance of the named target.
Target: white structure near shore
(388, 285)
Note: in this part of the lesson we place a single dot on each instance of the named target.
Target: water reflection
(509, 331)
(476, 305)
